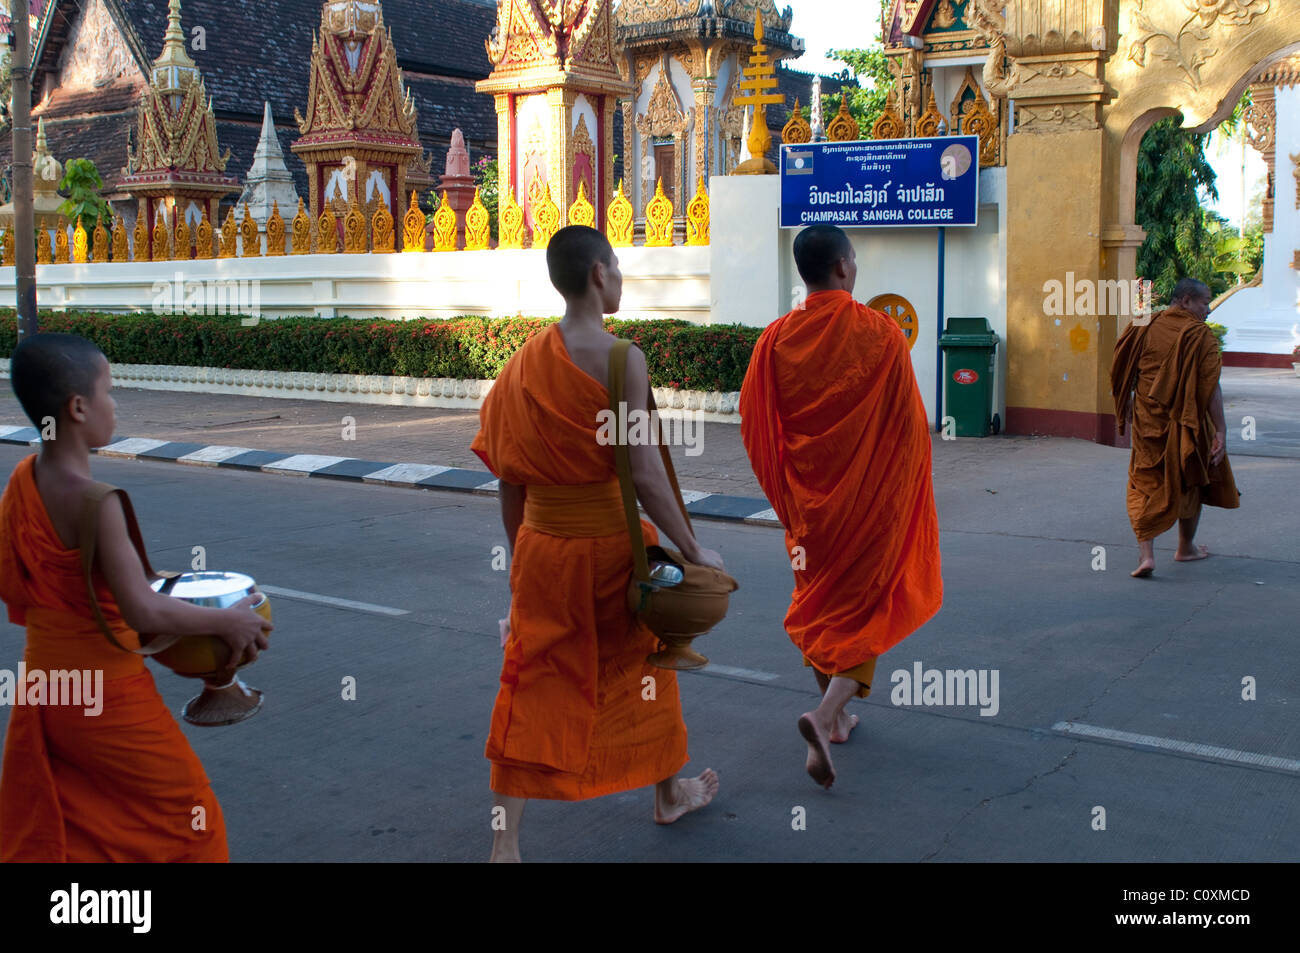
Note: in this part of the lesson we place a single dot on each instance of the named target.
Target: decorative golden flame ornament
(327, 233)
(510, 223)
(42, 247)
(478, 226)
(618, 219)
(275, 230)
(354, 230)
(121, 250)
(928, 125)
(182, 246)
(413, 226)
(444, 226)
(697, 216)
(381, 224)
(162, 238)
(7, 247)
(99, 248)
(659, 219)
(844, 128)
(80, 243)
(301, 238)
(61, 245)
(141, 235)
(582, 212)
(251, 246)
(796, 129)
(546, 219)
(229, 236)
(203, 238)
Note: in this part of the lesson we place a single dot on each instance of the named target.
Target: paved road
(399, 773)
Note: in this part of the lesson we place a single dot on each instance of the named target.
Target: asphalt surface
(1184, 768)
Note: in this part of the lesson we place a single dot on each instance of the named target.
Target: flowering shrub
(678, 353)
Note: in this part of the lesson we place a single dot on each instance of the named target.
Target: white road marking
(492, 486)
(300, 464)
(404, 473)
(211, 456)
(694, 496)
(767, 515)
(333, 601)
(7, 429)
(1213, 752)
(131, 447)
(740, 672)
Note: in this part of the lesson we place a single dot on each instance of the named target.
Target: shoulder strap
(87, 534)
(623, 460)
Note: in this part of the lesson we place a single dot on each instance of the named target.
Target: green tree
(82, 182)
(1171, 172)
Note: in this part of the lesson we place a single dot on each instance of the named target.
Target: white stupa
(269, 180)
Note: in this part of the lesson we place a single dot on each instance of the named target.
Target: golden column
(761, 75)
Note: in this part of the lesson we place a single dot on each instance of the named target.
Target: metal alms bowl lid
(215, 589)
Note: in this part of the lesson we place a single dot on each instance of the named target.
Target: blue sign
(877, 183)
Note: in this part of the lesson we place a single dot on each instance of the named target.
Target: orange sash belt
(67, 640)
(582, 510)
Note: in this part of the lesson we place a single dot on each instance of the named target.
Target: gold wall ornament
(1295, 161)
(203, 237)
(301, 226)
(251, 246)
(697, 216)
(413, 225)
(1185, 45)
(979, 121)
(80, 244)
(161, 247)
(928, 125)
(381, 224)
(618, 219)
(510, 224)
(844, 128)
(659, 219)
(7, 247)
(42, 247)
(121, 250)
(275, 230)
(229, 235)
(478, 226)
(61, 245)
(327, 233)
(546, 219)
(759, 76)
(141, 236)
(354, 230)
(444, 226)
(182, 250)
(796, 129)
(582, 212)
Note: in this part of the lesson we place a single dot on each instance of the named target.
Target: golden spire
(174, 70)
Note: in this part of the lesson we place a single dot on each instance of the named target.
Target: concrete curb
(711, 506)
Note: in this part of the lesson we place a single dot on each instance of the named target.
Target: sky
(831, 24)
(1225, 157)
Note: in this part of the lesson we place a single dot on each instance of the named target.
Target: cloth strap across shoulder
(623, 460)
(87, 532)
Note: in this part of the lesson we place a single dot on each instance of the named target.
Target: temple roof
(649, 21)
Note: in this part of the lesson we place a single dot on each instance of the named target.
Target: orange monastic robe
(572, 718)
(118, 786)
(1165, 373)
(837, 434)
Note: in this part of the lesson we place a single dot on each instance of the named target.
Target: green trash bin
(969, 349)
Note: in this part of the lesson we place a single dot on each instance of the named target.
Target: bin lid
(968, 332)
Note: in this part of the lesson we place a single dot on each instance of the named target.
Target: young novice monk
(573, 719)
(123, 784)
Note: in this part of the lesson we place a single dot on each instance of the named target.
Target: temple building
(93, 59)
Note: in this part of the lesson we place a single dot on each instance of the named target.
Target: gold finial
(760, 77)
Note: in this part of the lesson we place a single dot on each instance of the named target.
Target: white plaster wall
(1266, 319)
(744, 254)
(657, 283)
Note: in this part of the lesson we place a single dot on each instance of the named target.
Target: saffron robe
(572, 718)
(1165, 373)
(119, 786)
(836, 431)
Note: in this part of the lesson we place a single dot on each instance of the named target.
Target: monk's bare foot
(687, 794)
(1145, 568)
(1190, 556)
(845, 725)
(505, 857)
(819, 764)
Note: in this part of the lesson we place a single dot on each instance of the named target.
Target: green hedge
(678, 353)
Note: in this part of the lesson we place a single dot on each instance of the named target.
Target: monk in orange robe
(1165, 381)
(837, 435)
(579, 712)
(80, 785)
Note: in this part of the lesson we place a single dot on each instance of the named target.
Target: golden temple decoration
(182, 242)
(979, 121)
(229, 236)
(844, 128)
(354, 229)
(42, 247)
(413, 225)
(381, 223)
(478, 234)
(618, 219)
(141, 236)
(1295, 161)
(582, 212)
(61, 246)
(203, 238)
(546, 219)
(796, 129)
(275, 230)
(444, 226)
(760, 75)
(7, 247)
(697, 216)
(929, 123)
(251, 246)
(121, 250)
(161, 246)
(80, 244)
(659, 219)
(510, 223)
(301, 231)
(327, 233)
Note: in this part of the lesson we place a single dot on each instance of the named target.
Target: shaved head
(571, 254)
(817, 250)
(46, 370)
(1189, 288)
